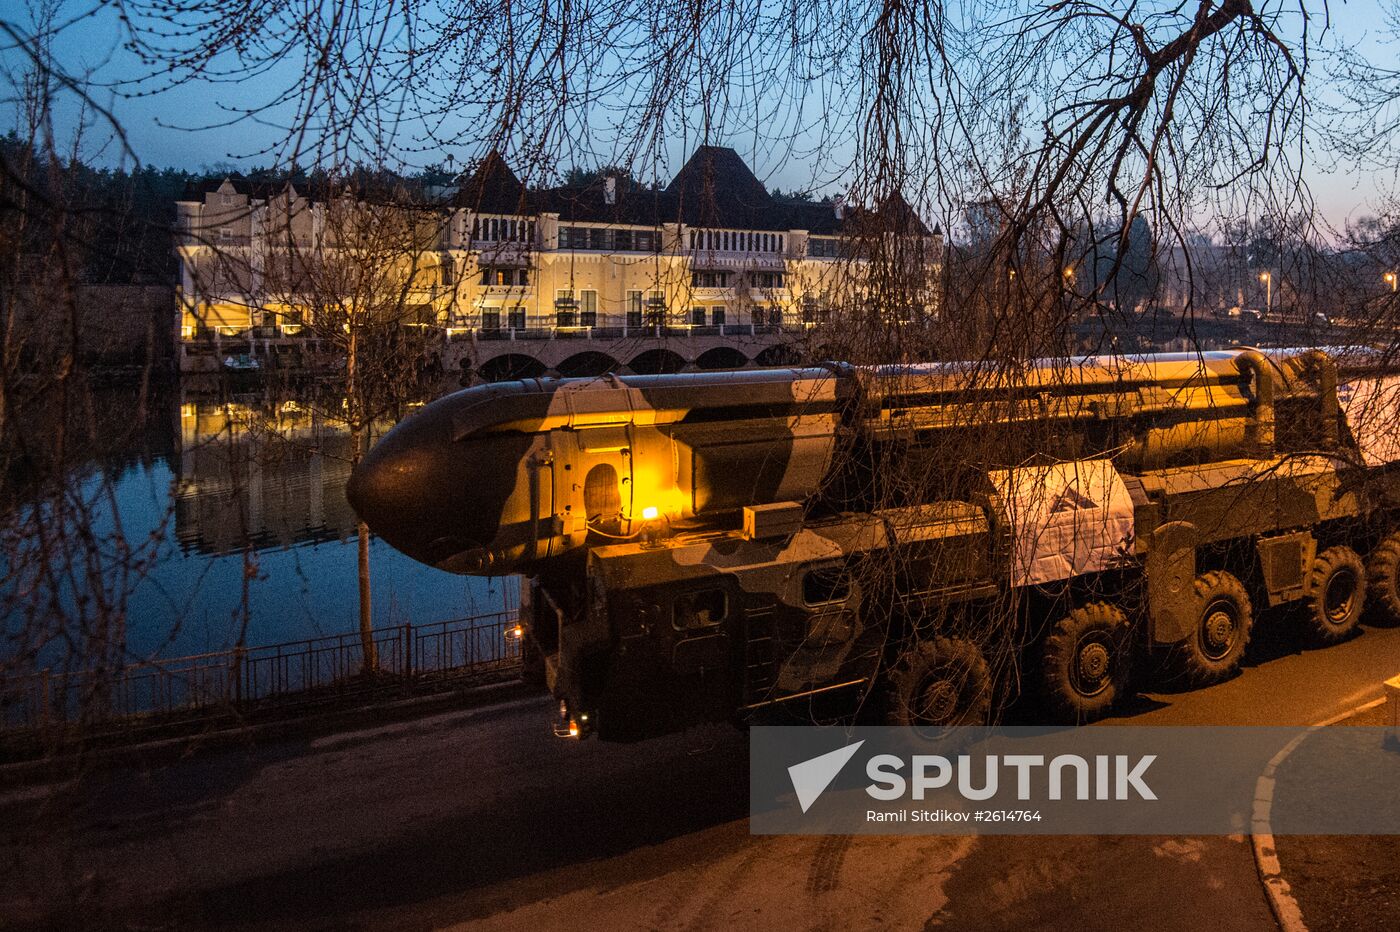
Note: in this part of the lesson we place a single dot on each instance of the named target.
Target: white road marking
(1281, 899)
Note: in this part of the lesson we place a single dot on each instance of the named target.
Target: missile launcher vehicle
(738, 545)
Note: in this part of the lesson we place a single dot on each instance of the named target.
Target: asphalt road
(483, 818)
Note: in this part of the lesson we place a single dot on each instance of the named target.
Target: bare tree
(69, 564)
(360, 270)
(1080, 133)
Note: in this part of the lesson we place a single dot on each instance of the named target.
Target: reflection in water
(255, 487)
(262, 478)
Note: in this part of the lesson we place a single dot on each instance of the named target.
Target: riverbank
(54, 716)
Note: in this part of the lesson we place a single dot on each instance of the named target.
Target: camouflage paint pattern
(621, 497)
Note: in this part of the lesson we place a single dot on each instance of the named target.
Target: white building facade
(713, 251)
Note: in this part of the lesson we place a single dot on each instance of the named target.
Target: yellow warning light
(650, 513)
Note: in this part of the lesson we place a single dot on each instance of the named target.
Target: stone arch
(657, 361)
(510, 366)
(779, 354)
(722, 357)
(586, 364)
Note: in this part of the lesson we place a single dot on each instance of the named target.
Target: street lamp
(1390, 279)
(1268, 281)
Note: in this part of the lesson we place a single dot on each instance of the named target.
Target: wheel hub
(938, 701)
(1219, 630)
(1093, 663)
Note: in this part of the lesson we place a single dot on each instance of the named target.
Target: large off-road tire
(1085, 663)
(939, 684)
(1383, 579)
(1336, 595)
(1224, 618)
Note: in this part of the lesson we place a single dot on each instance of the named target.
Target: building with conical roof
(712, 253)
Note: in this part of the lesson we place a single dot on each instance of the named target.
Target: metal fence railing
(243, 676)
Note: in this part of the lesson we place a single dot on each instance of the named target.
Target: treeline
(113, 225)
(99, 225)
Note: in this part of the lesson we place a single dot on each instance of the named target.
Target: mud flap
(1171, 577)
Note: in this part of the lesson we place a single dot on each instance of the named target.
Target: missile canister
(705, 545)
(503, 478)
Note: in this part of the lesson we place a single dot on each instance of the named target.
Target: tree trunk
(358, 445)
(366, 623)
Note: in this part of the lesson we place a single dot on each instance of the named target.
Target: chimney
(839, 207)
(610, 189)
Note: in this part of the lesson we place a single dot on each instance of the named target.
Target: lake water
(216, 490)
(237, 497)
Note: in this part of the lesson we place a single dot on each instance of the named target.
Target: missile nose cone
(413, 489)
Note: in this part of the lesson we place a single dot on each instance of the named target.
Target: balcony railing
(669, 331)
(533, 331)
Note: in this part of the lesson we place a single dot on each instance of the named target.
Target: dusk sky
(616, 465)
(187, 127)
